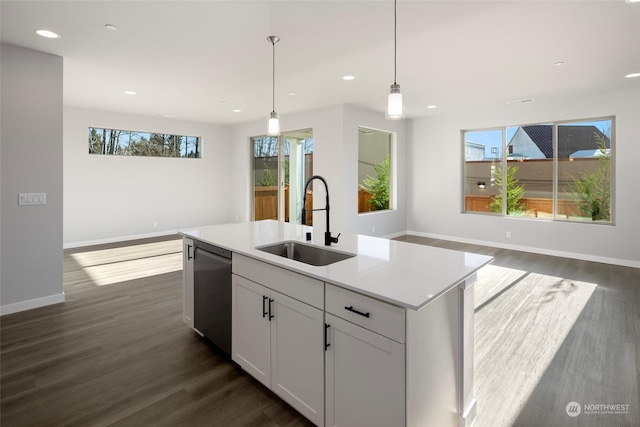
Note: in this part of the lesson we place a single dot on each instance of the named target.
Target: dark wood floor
(118, 353)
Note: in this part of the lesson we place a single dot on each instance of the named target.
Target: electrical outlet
(508, 234)
(155, 224)
(373, 229)
(32, 199)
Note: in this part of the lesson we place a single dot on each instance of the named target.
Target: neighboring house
(536, 142)
(473, 151)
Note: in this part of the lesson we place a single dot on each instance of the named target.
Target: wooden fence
(537, 207)
(265, 203)
(363, 201)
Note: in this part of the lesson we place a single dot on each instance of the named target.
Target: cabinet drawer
(295, 285)
(378, 316)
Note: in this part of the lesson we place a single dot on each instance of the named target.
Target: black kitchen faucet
(328, 239)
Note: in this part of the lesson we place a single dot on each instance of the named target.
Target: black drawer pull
(189, 252)
(353, 310)
(326, 340)
(264, 308)
(270, 315)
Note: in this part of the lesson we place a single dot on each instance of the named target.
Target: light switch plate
(32, 199)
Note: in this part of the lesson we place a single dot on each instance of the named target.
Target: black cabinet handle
(326, 339)
(189, 252)
(353, 310)
(264, 309)
(270, 315)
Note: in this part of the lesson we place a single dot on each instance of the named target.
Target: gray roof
(571, 138)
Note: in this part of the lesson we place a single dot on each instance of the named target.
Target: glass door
(281, 167)
(265, 152)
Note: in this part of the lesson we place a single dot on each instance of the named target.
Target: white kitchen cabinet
(187, 280)
(251, 329)
(279, 340)
(388, 366)
(297, 359)
(364, 377)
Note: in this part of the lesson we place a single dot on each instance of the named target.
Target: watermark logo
(573, 409)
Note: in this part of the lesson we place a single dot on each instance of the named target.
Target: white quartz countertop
(405, 274)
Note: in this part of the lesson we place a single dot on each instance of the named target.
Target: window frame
(555, 167)
(393, 154)
(130, 132)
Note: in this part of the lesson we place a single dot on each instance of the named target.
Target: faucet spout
(328, 239)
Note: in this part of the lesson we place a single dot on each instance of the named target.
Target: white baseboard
(394, 235)
(542, 251)
(32, 303)
(72, 245)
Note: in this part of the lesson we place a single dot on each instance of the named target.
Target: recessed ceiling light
(167, 116)
(632, 1)
(129, 92)
(559, 64)
(48, 34)
(348, 77)
(237, 110)
(632, 75)
(432, 106)
(292, 93)
(110, 27)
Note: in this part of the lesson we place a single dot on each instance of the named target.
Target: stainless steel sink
(307, 254)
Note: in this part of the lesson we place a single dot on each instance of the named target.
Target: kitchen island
(383, 337)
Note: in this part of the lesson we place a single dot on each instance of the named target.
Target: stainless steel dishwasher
(212, 294)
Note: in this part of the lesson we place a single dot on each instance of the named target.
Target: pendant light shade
(395, 110)
(274, 124)
(394, 103)
(274, 121)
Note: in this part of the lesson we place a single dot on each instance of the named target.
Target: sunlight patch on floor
(109, 274)
(517, 335)
(119, 254)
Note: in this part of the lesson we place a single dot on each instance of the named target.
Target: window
(133, 143)
(287, 160)
(375, 149)
(584, 185)
(557, 171)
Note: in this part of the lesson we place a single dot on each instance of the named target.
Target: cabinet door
(365, 377)
(250, 329)
(297, 356)
(187, 281)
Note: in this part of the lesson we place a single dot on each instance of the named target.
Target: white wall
(31, 162)
(109, 198)
(335, 157)
(435, 201)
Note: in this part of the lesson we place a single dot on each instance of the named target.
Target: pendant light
(274, 121)
(394, 100)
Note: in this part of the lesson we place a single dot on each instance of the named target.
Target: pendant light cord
(395, 39)
(273, 78)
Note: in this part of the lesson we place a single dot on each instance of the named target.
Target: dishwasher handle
(221, 259)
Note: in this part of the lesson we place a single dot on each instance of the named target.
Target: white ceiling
(198, 60)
